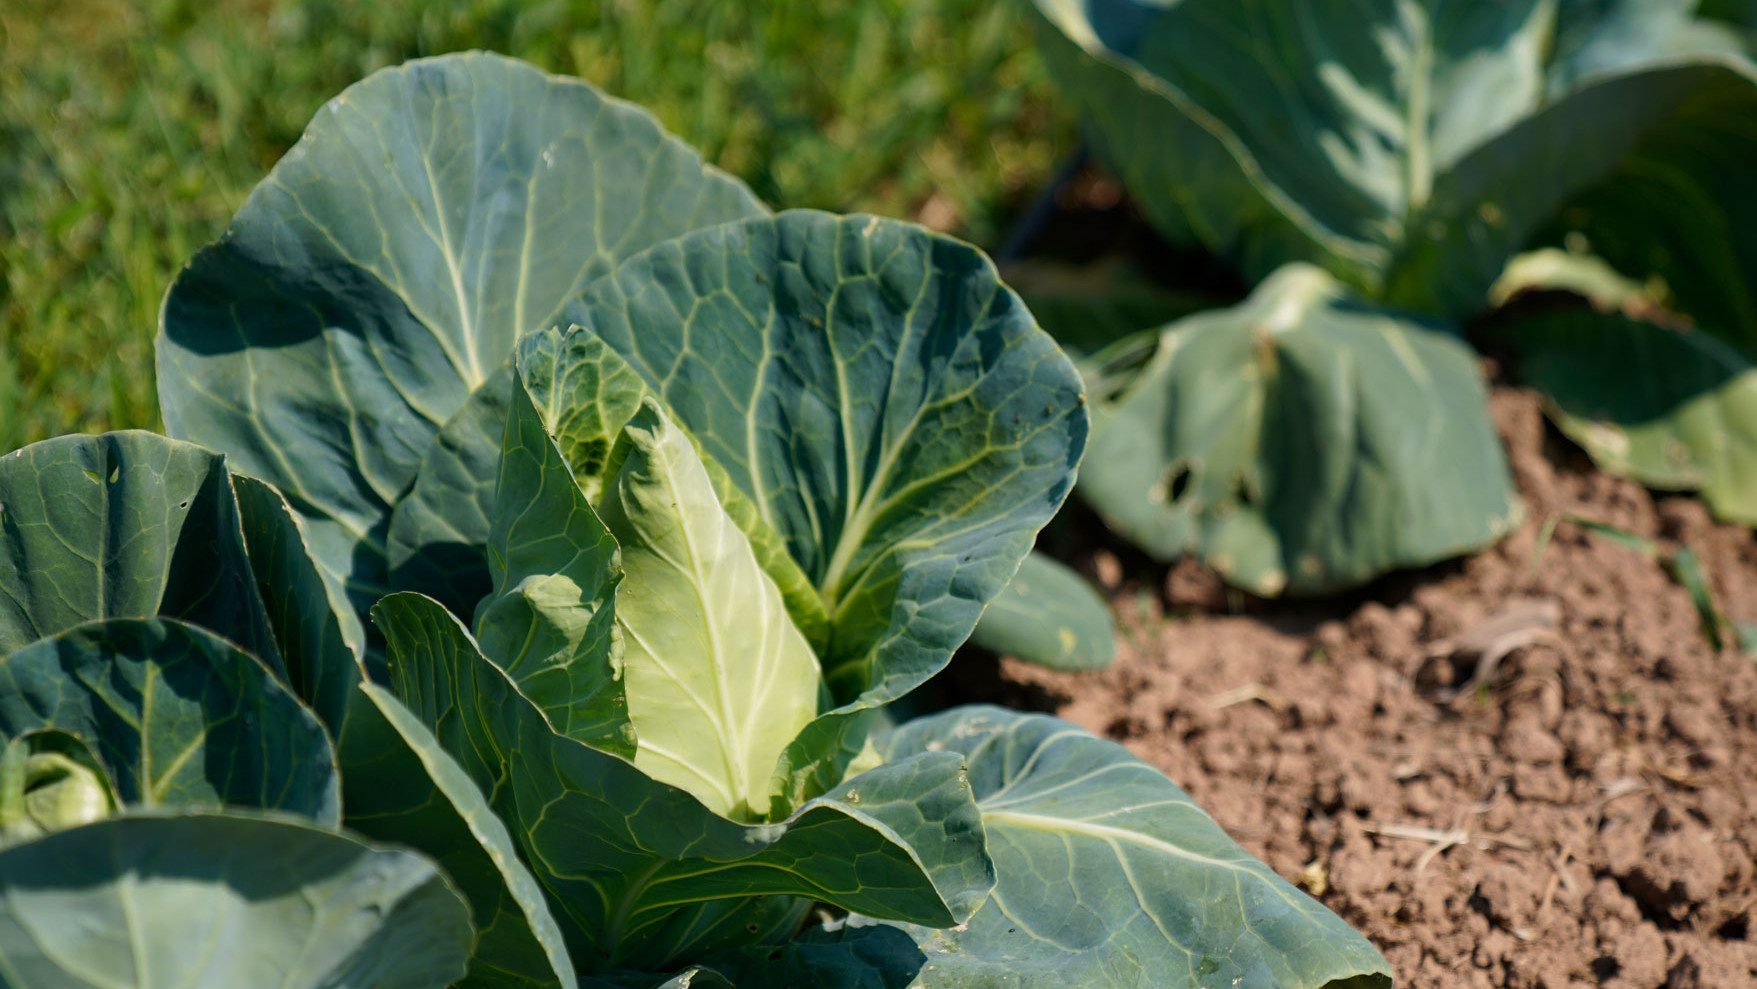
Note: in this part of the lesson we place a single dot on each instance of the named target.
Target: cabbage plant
(655, 500)
(1409, 150)
(349, 338)
(637, 702)
(170, 807)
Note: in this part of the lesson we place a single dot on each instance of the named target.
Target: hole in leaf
(1241, 491)
(1173, 485)
(1180, 482)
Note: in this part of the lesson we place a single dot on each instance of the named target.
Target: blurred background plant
(130, 130)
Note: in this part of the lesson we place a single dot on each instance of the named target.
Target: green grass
(131, 129)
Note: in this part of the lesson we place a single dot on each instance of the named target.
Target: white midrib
(1418, 153)
(467, 328)
(148, 792)
(1113, 836)
(1102, 832)
(732, 747)
(617, 923)
(136, 939)
(859, 520)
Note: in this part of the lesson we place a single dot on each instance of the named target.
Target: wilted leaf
(1302, 442)
(1671, 409)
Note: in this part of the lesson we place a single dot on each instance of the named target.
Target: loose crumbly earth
(1588, 818)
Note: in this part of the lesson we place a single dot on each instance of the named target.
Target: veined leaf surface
(585, 393)
(518, 944)
(1408, 146)
(204, 899)
(1111, 877)
(320, 636)
(123, 525)
(398, 786)
(178, 715)
(385, 267)
(1302, 442)
(439, 529)
(1670, 408)
(550, 621)
(878, 956)
(719, 680)
(885, 402)
(636, 869)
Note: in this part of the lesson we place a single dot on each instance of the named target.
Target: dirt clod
(1584, 815)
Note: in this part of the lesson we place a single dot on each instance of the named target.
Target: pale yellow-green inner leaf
(718, 678)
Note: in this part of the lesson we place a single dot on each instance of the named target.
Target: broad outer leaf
(882, 398)
(585, 393)
(1303, 442)
(550, 621)
(1410, 148)
(518, 944)
(719, 680)
(1112, 878)
(179, 716)
(1051, 616)
(1681, 209)
(1671, 409)
(201, 900)
(627, 861)
(320, 636)
(126, 524)
(385, 267)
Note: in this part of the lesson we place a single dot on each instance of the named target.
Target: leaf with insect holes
(1302, 442)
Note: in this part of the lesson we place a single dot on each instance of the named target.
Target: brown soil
(1587, 817)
